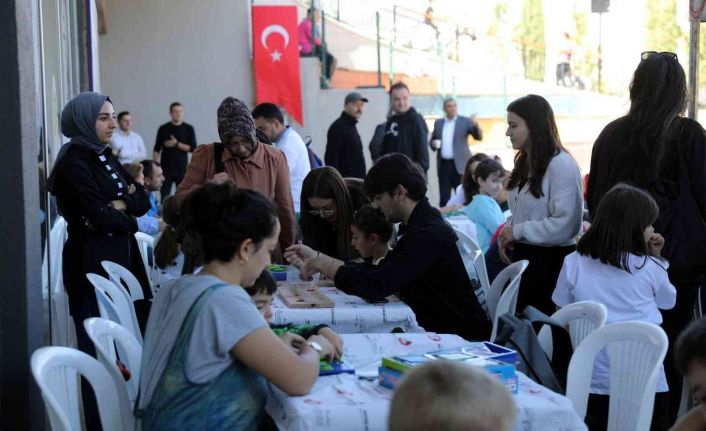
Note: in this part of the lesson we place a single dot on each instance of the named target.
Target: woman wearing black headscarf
(99, 201)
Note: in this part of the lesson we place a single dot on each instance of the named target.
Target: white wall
(160, 51)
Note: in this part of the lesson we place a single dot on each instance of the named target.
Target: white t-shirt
(131, 146)
(447, 139)
(294, 149)
(636, 295)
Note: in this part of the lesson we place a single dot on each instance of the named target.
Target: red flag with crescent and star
(276, 57)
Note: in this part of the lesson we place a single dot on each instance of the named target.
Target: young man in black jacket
(406, 131)
(344, 149)
(425, 269)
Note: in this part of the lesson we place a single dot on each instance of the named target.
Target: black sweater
(344, 149)
(407, 134)
(427, 272)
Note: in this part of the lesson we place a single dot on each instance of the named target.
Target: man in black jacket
(406, 132)
(344, 149)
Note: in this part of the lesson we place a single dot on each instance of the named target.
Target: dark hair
(372, 221)
(265, 283)
(269, 111)
(174, 105)
(398, 86)
(690, 345)
(543, 146)
(122, 114)
(356, 188)
(448, 100)
(487, 167)
(392, 170)
(148, 167)
(619, 225)
(647, 138)
(326, 183)
(470, 187)
(133, 169)
(166, 249)
(215, 219)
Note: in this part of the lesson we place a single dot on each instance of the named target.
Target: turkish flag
(276, 57)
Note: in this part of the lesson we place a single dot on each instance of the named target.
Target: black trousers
(171, 176)
(329, 60)
(449, 179)
(539, 279)
(598, 407)
(673, 322)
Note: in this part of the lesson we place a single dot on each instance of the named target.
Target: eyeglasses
(647, 54)
(322, 212)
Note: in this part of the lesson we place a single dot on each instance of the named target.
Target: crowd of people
(254, 198)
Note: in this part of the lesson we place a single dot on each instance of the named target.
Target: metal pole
(600, 52)
(338, 10)
(324, 78)
(312, 14)
(377, 43)
(695, 27)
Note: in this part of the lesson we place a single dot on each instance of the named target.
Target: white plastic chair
(113, 342)
(118, 273)
(579, 318)
(145, 242)
(114, 303)
(507, 301)
(635, 351)
(476, 253)
(56, 370)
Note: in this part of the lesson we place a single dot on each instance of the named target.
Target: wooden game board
(304, 295)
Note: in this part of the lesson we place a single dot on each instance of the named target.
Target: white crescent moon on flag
(274, 28)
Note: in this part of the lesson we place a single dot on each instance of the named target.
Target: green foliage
(584, 61)
(663, 32)
(531, 35)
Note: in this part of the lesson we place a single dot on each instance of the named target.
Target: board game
(304, 295)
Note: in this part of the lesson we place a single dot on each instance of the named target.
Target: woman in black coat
(653, 147)
(99, 201)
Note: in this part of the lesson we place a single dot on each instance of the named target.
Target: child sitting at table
(262, 292)
(447, 395)
(371, 233)
(483, 210)
(618, 264)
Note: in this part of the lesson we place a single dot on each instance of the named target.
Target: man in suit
(450, 140)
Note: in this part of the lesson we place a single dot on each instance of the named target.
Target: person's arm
(195, 172)
(158, 143)
(665, 292)
(421, 153)
(99, 213)
(474, 129)
(137, 202)
(563, 293)
(696, 163)
(148, 225)
(376, 142)
(565, 210)
(264, 352)
(332, 155)
(285, 205)
(694, 420)
(190, 145)
(141, 153)
(489, 216)
(436, 133)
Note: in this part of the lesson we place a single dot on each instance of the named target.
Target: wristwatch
(314, 345)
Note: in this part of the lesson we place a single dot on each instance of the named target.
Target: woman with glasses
(657, 149)
(327, 210)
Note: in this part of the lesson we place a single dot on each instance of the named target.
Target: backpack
(314, 160)
(519, 332)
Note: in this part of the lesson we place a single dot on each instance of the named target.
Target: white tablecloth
(345, 402)
(351, 315)
(463, 223)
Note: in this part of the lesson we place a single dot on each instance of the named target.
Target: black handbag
(519, 332)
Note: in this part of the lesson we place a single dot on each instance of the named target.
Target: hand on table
(302, 257)
(328, 352)
(335, 340)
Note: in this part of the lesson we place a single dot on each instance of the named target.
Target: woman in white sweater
(545, 198)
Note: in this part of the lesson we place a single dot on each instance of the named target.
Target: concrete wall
(160, 51)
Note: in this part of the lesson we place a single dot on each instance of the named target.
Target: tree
(531, 35)
(663, 32)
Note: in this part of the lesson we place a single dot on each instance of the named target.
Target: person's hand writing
(328, 352)
(655, 244)
(221, 178)
(334, 338)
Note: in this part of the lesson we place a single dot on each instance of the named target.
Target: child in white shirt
(618, 264)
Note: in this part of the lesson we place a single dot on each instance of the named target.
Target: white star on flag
(276, 56)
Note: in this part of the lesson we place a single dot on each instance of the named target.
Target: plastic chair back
(114, 342)
(114, 304)
(145, 243)
(507, 301)
(635, 351)
(119, 274)
(467, 243)
(57, 371)
(579, 318)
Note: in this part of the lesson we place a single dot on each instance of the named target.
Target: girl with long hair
(655, 148)
(545, 199)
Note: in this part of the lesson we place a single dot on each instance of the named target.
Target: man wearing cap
(344, 149)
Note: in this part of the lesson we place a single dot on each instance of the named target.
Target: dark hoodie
(407, 134)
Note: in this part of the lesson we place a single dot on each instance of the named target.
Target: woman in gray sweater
(545, 198)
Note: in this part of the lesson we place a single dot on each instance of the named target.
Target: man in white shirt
(270, 120)
(450, 136)
(127, 145)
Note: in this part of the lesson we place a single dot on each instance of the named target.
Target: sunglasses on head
(647, 54)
